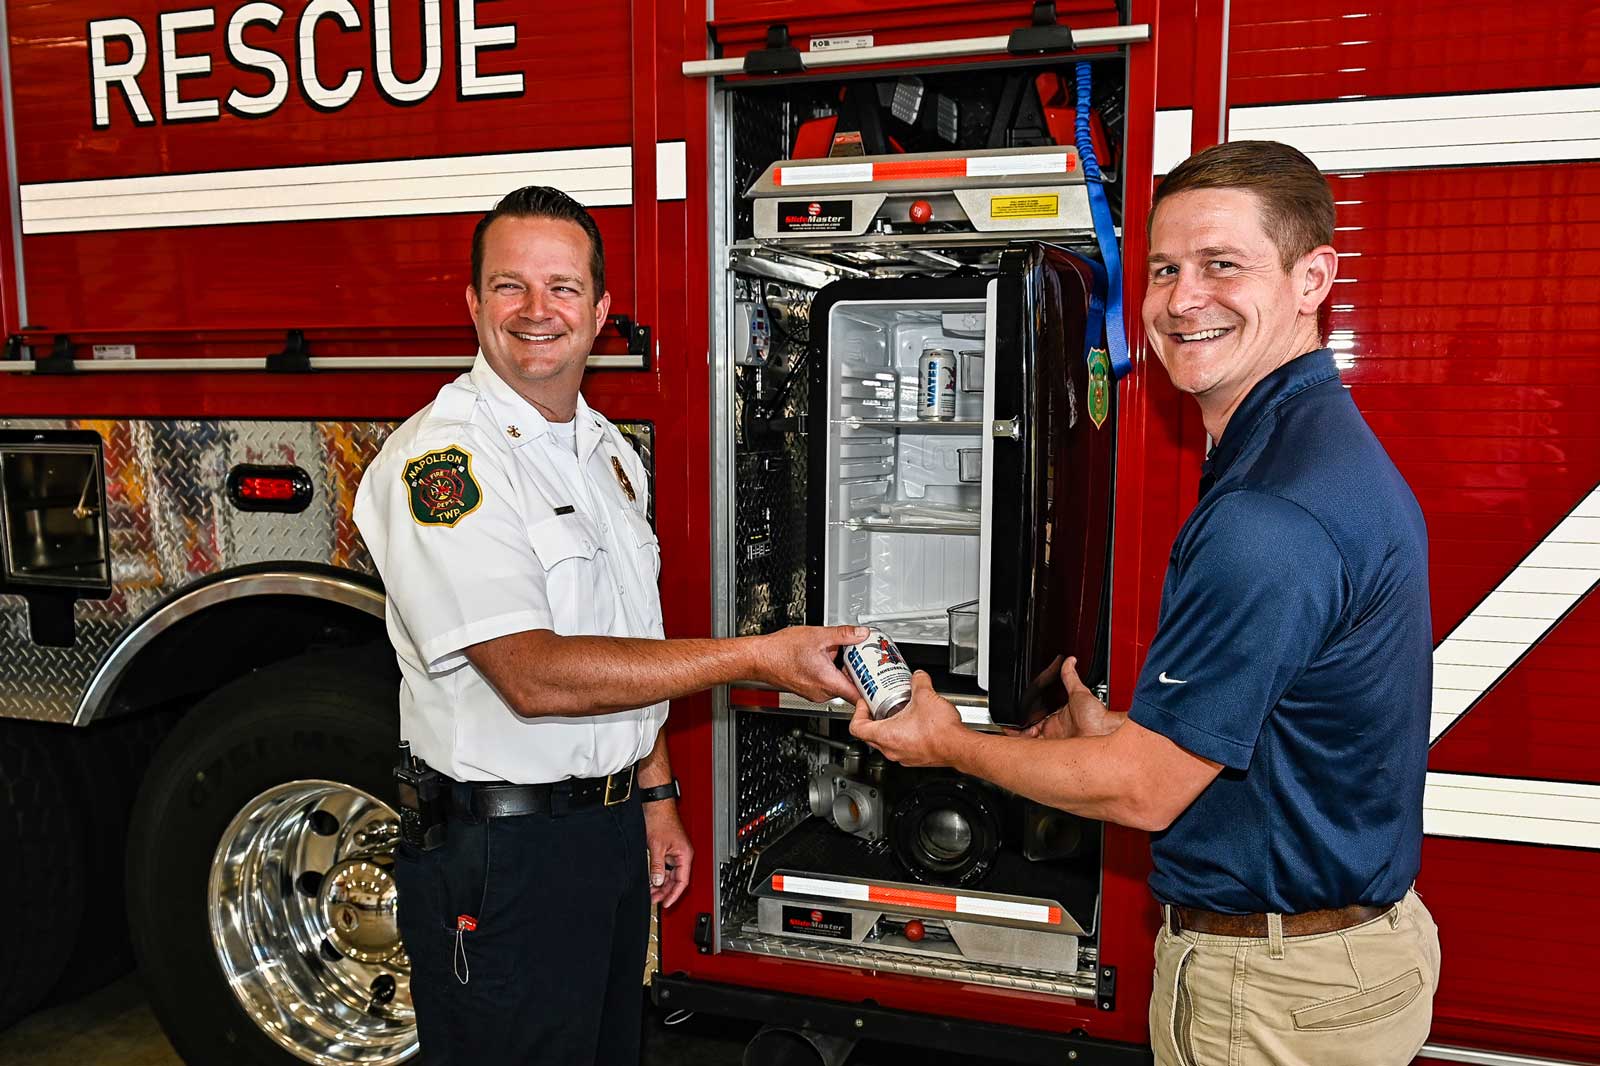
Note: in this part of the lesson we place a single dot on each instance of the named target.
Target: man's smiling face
(1220, 309)
(535, 309)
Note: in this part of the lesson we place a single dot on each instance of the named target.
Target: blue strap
(1105, 233)
(1093, 330)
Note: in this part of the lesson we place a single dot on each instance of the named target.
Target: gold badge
(622, 478)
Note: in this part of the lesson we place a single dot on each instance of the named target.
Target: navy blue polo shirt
(1295, 648)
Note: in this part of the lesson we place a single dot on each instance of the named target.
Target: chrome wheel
(302, 908)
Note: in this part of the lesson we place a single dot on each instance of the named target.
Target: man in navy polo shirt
(1277, 742)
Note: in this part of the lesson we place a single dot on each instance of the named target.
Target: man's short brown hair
(542, 201)
(1296, 203)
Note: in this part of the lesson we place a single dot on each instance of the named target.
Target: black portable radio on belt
(424, 796)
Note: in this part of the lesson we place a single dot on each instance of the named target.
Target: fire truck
(232, 256)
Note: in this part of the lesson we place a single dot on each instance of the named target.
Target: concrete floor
(114, 1027)
(111, 1027)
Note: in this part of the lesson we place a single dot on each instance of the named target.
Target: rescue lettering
(263, 50)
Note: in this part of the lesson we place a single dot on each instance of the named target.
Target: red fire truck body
(238, 246)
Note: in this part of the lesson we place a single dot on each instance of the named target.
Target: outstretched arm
(1131, 776)
(539, 673)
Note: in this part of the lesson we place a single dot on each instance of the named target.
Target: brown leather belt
(1255, 925)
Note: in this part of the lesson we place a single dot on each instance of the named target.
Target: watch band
(668, 791)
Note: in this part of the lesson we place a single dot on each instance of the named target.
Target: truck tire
(41, 838)
(259, 894)
(105, 761)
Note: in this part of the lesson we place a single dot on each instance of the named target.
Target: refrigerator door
(1045, 521)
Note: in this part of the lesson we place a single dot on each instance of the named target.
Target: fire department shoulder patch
(441, 487)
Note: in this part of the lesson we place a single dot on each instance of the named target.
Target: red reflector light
(266, 488)
(278, 489)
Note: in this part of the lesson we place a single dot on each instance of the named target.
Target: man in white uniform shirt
(508, 521)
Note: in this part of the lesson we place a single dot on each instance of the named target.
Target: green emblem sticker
(442, 488)
(1099, 386)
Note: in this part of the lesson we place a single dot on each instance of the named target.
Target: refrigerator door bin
(969, 465)
(964, 638)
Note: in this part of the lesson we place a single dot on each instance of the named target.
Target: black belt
(498, 799)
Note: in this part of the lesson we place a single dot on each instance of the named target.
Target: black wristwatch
(668, 791)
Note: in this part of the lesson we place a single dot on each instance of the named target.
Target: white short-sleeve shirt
(482, 523)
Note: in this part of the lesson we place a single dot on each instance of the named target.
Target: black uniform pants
(552, 973)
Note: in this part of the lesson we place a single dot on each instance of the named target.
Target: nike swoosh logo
(1165, 680)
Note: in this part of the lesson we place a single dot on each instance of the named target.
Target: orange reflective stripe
(910, 897)
(899, 170)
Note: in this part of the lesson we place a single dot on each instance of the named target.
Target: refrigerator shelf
(965, 425)
(873, 524)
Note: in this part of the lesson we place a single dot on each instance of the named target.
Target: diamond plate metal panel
(171, 525)
(773, 772)
(760, 124)
(1082, 987)
(770, 507)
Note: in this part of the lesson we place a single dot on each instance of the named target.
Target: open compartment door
(1048, 443)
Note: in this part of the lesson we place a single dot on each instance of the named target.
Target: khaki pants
(1362, 996)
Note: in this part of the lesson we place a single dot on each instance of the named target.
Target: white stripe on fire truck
(922, 169)
(1506, 624)
(1560, 813)
(595, 177)
(954, 903)
(1540, 591)
(1411, 132)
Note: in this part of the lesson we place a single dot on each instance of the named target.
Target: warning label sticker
(816, 922)
(834, 44)
(815, 216)
(1041, 206)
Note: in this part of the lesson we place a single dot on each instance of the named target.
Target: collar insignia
(622, 479)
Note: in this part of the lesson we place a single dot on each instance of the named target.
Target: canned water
(880, 672)
(936, 384)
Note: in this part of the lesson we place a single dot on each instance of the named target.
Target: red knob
(921, 212)
(914, 929)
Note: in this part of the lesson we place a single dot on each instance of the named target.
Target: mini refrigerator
(979, 544)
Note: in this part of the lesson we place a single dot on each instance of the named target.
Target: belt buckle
(611, 799)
